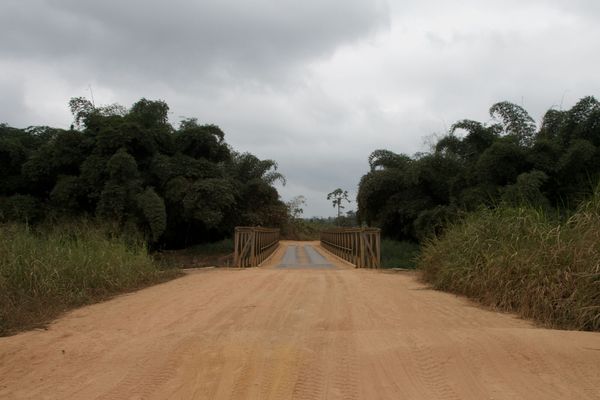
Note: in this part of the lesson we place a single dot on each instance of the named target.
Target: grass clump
(396, 254)
(518, 259)
(48, 270)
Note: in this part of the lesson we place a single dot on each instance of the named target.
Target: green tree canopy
(129, 165)
(483, 164)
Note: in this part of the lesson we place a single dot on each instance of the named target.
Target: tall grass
(48, 270)
(520, 260)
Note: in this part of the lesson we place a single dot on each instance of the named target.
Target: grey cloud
(583, 8)
(183, 41)
(12, 103)
(315, 85)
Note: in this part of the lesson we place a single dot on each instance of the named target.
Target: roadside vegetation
(510, 159)
(496, 208)
(505, 211)
(210, 254)
(46, 270)
(179, 186)
(395, 254)
(131, 183)
(522, 260)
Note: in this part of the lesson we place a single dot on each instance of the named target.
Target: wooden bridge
(252, 245)
(358, 246)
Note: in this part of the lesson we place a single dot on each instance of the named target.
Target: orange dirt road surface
(304, 332)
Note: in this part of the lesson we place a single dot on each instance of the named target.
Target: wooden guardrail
(359, 246)
(252, 245)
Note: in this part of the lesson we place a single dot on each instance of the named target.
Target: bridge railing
(252, 245)
(359, 246)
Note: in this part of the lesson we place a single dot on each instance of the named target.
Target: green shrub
(221, 247)
(52, 268)
(518, 259)
(395, 254)
(21, 208)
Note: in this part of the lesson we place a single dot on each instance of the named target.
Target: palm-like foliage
(479, 164)
(131, 166)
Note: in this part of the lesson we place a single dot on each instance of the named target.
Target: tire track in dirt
(530, 361)
(259, 365)
(311, 381)
(244, 377)
(490, 377)
(304, 333)
(430, 369)
(286, 361)
(590, 385)
(149, 375)
(344, 371)
(206, 382)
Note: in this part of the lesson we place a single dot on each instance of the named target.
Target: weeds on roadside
(47, 270)
(519, 259)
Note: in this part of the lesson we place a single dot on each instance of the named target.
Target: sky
(316, 85)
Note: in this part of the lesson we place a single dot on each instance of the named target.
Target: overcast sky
(316, 85)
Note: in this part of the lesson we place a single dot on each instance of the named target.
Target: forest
(182, 186)
(508, 161)
(506, 212)
(131, 167)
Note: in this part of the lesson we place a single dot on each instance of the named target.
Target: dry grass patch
(46, 271)
(519, 260)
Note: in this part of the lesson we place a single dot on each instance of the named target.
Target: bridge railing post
(253, 245)
(359, 246)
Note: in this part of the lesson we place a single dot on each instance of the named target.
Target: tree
(387, 159)
(508, 160)
(179, 186)
(515, 121)
(295, 205)
(337, 197)
(152, 207)
(348, 220)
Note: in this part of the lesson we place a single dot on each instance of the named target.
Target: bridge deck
(303, 256)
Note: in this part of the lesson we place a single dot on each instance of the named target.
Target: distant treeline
(508, 161)
(347, 220)
(179, 186)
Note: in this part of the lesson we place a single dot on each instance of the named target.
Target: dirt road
(303, 327)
